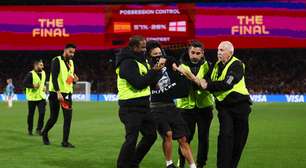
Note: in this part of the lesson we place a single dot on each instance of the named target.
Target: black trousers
(233, 133)
(202, 119)
(135, 120)
(41, 105)
(54, 111)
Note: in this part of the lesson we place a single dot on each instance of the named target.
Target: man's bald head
(225, 51)
(228, 46)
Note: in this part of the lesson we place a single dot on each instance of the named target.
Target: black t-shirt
(170, 85)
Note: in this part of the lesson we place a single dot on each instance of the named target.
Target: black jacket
(234, 75)
(28, 80)
(129, 71)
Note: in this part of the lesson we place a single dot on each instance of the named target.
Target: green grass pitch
(277, 139)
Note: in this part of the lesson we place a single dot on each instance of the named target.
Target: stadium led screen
(91, 27)
(100, 27)
(166, 23)
(50, 27)
(252, 24)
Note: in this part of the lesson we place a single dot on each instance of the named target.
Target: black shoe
(30, 133)
(171, 166)
(38, 132)
(45, 139)
(67, 145)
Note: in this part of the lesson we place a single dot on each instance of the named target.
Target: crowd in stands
(268, 71)
(276, 71)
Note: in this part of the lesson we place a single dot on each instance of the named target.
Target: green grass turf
(277, 139)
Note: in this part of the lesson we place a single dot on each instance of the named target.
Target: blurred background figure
(9, 92)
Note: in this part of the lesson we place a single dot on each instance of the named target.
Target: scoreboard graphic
(103, 27)
(165, 23)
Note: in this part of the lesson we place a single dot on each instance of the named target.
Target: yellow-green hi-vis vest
(239, 87)
(65, 77)
(196, 98)
(33, 94)
(127, 91)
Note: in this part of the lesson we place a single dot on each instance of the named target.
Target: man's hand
(203, 83)
(174, 67)
(60, 96)
(181, 70)
(75, 78)
(187, 73)
(36, 85)
(161, 63)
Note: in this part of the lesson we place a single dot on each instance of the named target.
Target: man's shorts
(168, 118)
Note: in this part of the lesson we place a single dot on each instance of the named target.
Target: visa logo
(79, 97)
(110, 97)
(295, 98)
(258, 98)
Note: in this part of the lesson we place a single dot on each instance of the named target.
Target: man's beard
(194, 61)
(68, 57)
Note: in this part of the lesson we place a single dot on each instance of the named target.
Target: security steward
(61, 81)
(197, 107)
(134, 77)
(34, 82)
(227, 83)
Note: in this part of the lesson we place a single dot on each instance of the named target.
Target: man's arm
(233, 76)
(187, 73)
(208, 74)
(129, 71)
(75, 76)
(55, 69)
(28, 81)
